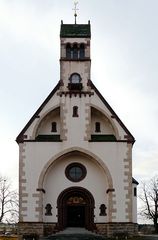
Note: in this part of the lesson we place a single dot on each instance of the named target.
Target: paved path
(75, 237)
(83, 234)
(75, 234)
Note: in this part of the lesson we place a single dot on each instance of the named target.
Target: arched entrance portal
(75, 208)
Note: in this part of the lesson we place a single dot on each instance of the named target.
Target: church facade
(75, 154)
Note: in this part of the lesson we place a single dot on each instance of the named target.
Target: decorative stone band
(75, 93)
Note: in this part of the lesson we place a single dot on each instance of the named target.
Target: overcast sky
(124, 53)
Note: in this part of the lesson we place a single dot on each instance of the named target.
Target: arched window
(68, 51)
(54, 127)
(75, 78)
(75, 51)
(97, 127)
(82, 51)
(75, 111)
(75, 82)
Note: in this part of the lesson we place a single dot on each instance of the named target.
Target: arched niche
(102, 126)
(48, 128)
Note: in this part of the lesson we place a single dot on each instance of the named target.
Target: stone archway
(75, 208)
(88, 154)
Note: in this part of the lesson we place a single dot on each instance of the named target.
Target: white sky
(124, 52)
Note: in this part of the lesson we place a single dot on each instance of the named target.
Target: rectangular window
(75, 111)
(54, 127)
(97, 127)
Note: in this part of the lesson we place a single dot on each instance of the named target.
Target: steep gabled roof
(75, 30)
(129, 136)
(20, 136)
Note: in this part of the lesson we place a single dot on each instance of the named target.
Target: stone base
(49, 229)
(117, 229)
(34, 230)
(26, 229)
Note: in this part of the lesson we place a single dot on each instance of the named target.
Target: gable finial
(75, 9)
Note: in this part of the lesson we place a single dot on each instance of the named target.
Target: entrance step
(75, 234)
(75, 230)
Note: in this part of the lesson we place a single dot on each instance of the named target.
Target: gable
(20, 138)
(111, 123)
(113, 116)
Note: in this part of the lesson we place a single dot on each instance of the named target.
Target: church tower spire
(75, 10)
(75, 62)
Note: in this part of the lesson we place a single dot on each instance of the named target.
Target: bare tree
(8, 202)
(149, 197)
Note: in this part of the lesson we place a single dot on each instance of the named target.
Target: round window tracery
(75, 172)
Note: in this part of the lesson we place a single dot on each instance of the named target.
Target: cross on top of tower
(75, 9)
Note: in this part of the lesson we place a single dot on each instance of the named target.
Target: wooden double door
(75, 216)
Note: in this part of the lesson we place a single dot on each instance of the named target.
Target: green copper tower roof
(75, 30)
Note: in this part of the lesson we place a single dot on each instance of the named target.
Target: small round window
(75, 172)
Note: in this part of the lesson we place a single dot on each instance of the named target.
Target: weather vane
(75, 9)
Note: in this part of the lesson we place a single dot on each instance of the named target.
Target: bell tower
(75, 62)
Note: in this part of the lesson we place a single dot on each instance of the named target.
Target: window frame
(73, 165)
